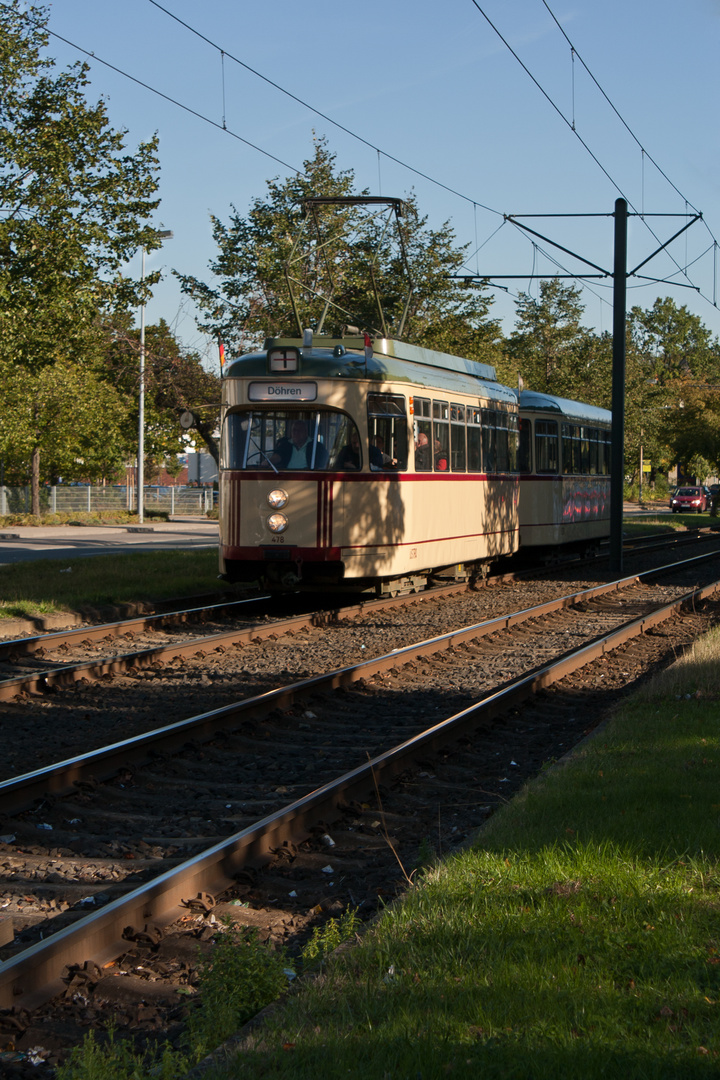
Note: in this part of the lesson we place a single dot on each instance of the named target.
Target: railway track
(38, 657)
(198, 820)
(37, 664)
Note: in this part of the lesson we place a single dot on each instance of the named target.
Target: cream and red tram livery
(346, 464)
(564, 467)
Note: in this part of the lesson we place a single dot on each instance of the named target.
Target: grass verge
(49, 586)
(667, 523)
(579, 937)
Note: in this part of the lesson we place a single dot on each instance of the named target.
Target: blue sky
(434, 86)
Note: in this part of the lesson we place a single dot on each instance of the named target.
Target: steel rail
(94, 670)
(100, 631)
(138, 624)
(34, 974)
(19, 792)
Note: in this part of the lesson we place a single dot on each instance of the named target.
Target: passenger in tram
(441, 461)
(296, 452)
(422, 452)
(378, 458)
(350, 457)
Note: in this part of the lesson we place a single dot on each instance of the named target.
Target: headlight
(277, 523)
(277, 499)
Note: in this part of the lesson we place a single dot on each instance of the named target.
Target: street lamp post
(165, 234)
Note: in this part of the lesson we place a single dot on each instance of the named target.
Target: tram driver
(296, 452)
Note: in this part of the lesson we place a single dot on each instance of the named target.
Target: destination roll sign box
(282, 391)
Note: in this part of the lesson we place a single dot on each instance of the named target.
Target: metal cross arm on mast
(512, 218)
(620, 277)
(696, 217)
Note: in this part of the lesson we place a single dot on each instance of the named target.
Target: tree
(673, 342)
(328, 267)
(175, 382)
(69, 415)
(676, 393)
(75, 206)
(550, 349)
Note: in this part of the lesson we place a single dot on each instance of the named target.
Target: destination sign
(282, 391)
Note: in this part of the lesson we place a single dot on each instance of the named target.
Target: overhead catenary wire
(322, 115)
(644, 154)
(418, 172)
(223, 53)
(622, 120)
(571, 125)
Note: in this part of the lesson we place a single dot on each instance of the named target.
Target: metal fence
(86, 498)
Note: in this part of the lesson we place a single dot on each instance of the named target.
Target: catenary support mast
(617, 454)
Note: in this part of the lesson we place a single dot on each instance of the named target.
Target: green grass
(667, 523)
(649, 527)
(579, 938)
(48, 586)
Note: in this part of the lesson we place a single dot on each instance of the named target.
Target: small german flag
(221, 350)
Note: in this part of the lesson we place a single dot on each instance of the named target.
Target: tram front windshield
(280, 439)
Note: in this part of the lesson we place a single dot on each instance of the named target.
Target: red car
(689, 499)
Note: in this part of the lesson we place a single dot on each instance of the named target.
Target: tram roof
(533, 401)
(390, 361)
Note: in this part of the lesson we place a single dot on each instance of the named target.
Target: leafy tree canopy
(71, 416)
(75, 203)
(175, 382)
(550, 349)
(673, 342)
(279, 266)
(74, 207)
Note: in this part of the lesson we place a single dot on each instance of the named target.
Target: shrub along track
(138, 819)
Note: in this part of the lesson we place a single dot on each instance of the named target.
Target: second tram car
(564, 465)
(347, 464)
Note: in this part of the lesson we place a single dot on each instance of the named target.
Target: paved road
(26, 542)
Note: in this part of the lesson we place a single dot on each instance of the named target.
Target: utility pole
(620, 275)
(617, 449)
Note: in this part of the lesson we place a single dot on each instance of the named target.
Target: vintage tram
(347, 464)
(357, 465)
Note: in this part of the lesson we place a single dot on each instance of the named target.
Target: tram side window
(546, 446)
(387, 429)
(605, 438)
(585, 448)
(457, 437)
(592, 437)
(513, 441)
(423, 435)
(571, 450)
(505, 441)
(488, 440)
(474, 440)
(235, 439)
(501, 442)
(441, 435)
(524, 454)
